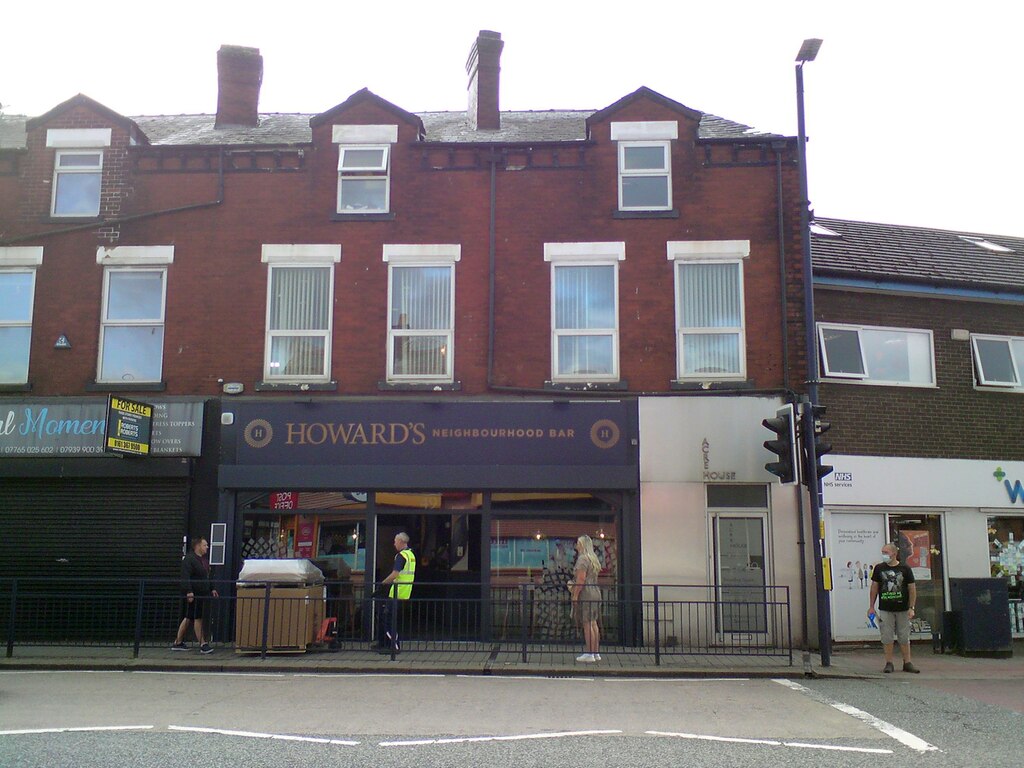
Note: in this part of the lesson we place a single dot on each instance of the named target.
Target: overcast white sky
(914, 111)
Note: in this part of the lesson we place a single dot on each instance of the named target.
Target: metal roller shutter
(79, 528)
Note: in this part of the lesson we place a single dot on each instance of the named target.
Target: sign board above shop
(600, 433)
(66, 427)
(129, 424)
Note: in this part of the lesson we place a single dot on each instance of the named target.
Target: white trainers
(586, 658)
(597, 657)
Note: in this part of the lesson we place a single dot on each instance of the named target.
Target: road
(118, 719)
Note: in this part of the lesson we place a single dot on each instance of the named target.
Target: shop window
(132, 328)
(17, 294)
(873, 355)
(584, 310)
(999, 361)
(1006, 561)
(421, 300)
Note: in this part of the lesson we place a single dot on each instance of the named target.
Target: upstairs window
(77, 170)
(584, 310)
(76, 183)
(364, 168)
(645, 164)
(300, 297)
(710, 318)
(999, 360)
(17, 294)
(132, 331)
(421, 300)
(873, 355)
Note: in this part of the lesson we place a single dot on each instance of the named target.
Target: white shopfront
(952, 518)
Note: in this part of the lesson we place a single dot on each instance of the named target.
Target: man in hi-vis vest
(402, 575)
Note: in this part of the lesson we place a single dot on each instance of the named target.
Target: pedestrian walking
(196, 591)
(586, 598)
(892, 584)
(400, 581)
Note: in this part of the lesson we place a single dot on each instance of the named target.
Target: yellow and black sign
(129, 424)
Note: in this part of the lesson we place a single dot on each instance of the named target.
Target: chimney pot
(239, 75)
(483, 70)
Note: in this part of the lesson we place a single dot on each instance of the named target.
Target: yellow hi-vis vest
(402, 585)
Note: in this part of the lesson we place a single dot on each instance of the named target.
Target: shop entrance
(919, 538)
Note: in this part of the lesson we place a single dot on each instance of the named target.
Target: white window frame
(632, 173)
(300, 256)
(645, 134)
(364, 137)
(422, 256)
(686, 252)
(1016, 360)
(58, 172)
(22, 260)
(603, 254)
(866, 377)
(145, 322)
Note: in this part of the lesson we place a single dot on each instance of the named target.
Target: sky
(913, 109)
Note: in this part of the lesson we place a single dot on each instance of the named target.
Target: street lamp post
(808, 52)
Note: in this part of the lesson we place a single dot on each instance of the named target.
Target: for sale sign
(129, 424)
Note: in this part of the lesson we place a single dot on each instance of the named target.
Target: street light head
(809, 50)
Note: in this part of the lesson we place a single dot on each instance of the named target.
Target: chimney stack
(239, 75)
(483, 69)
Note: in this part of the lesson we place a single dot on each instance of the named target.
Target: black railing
(523, 619)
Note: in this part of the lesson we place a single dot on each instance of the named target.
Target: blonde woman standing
(586, 598)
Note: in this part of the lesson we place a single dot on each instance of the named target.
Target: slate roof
(897, 253)
(279, 129)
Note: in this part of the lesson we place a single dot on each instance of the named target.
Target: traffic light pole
(807, 434)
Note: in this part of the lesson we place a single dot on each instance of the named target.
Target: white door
(740, 574)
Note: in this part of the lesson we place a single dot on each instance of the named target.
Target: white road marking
(770, 742)
(368, 674)
(475, 739)
(533, 678)
(904, 737)
(277, 675)
(256, 735)
(676, 679)
(77, 730)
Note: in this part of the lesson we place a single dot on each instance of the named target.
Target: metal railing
(525, 620)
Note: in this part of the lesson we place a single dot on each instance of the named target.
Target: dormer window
(645, 164)
(77, 171)
(364, 168)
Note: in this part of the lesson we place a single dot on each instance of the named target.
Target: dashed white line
(476, 739)
(770, 742)
(77, 730)
(257, 735)
(904, 737)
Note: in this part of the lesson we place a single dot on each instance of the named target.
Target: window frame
(866, 377)
(683, 253)
(604, 254)
(139, 322)
(626, 173)
(981, 380)
(58, 172)
(380, 172)
(22, 260)
(421, 256)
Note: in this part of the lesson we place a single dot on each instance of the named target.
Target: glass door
(919, 538)
(740, 573)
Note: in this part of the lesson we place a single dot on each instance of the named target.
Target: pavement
(861, 661)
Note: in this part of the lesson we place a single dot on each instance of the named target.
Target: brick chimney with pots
(239, 75)
(483, 70)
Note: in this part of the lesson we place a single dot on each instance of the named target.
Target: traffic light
(784, 425)
(818, 428)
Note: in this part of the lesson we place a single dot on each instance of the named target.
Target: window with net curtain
(710, 316)
(299, 323)
(585, 322)
(420, 330)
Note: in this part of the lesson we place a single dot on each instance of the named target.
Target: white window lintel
(21, 256)
(365, 134)
(656, 130)
(585, 251)
(78, 138)
(284, 254)
(421, 253)
(135, 254)
(708, 249)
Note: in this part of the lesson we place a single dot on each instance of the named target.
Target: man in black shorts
(196, 592)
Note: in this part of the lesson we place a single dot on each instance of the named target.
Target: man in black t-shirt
(892, 584)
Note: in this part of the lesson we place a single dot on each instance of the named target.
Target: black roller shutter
(81, 528)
